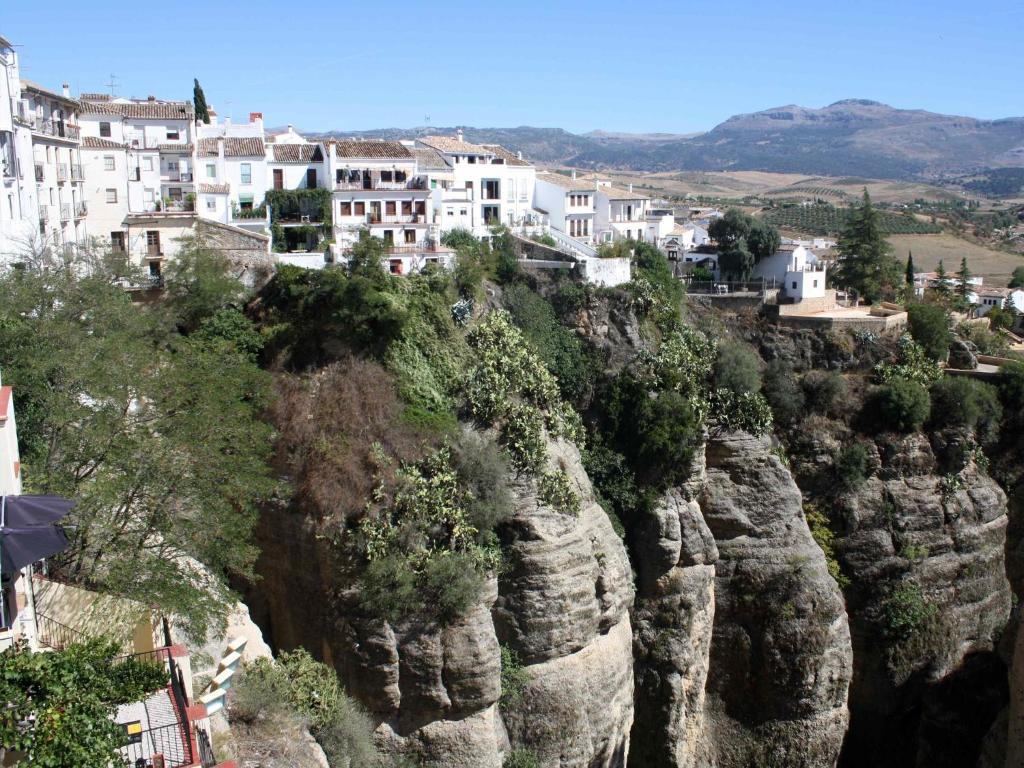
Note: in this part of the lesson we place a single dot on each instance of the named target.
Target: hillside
(853, 137)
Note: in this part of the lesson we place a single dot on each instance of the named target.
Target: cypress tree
(910, 268)
(199, 100)
(865, 262)
(964, 275)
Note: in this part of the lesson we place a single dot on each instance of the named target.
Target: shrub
(851, 466)
(452, 582)
(737, 368)
(824, 391)
(912, 363)
(1000, 317)
(231, 327)
(667, 431)
(522, 436)
(513, 679)
(905, 611)
(555, 489)
(783, 392)
(483, 469)
(902, 405)
(825, 537)
(1011, 388)
(966, 402)
(929, 327)
(521, 758)
(614, 482)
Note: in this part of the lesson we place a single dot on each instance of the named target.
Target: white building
(620, 214)
(232, 173)
(489, 185)
(987, 299)
(794, 269)
(19, 217)
(568, 204)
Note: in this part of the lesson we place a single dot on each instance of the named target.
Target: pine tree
(865, 264)
(964, 276)
(942, 280)
(199, 100)
(910, 268)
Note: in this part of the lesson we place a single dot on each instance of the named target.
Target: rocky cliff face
(562, 606)
(936, 531)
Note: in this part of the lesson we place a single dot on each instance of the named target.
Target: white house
(19, 213)
(1004, 298)
(232, 172)
(620, 214)
(794, 269)
(568, 203)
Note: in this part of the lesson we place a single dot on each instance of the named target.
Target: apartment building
(19, 220)
(487, 185)
(232, 171)
(620, 214)
(568, 203)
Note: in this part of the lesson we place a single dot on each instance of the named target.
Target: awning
(27, 529)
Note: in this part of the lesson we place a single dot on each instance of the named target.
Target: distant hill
(854, 137)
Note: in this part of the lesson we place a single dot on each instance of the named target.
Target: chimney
(66, 90)
(220, 147)
(574, 174)
(519, 155)
(458, 134)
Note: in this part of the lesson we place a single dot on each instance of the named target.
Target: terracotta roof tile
(428, 159)
(143, 110)
(95, 142)
(214, 189)
(234, 146)
(452, 146)
(618, 193)
(566, 182)
(298, 153)
(510, 157)
(174, 148)
(374, 149)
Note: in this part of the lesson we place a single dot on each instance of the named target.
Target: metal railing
(725, 287)
(401, 218)
(377, 184)
(62, 172)
(56, 128)
(81, 210)
(206, 756)
(169, 741)
(65, 212)
(53, 634)
(77, 174)
(39, 172)
(44, 213)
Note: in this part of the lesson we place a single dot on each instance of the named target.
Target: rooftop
(95, 142)
(298, 153)
(28, 85)
(618, 193)
(566, 182)
(428, 159)
(510, 157)
(234, 146)
(453, 145)
(371, 149)
(142, 110)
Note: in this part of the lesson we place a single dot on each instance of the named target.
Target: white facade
(621, 214)
(568, 204)
(232, 173)
(19, 220)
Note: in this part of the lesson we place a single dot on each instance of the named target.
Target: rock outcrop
(780, 660)
(937, 532)
(562, 605)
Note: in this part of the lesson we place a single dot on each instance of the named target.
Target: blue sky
(622, 66)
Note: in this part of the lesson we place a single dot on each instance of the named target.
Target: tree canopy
(743, 241)
(199, 101)
(155, 434)
(865, 262)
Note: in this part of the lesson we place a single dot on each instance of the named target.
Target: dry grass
(995, 266)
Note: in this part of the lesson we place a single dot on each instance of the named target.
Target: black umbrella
(27, 530)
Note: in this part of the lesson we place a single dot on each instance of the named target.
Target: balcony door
(278, 178)
(375, 211)
(311, 178)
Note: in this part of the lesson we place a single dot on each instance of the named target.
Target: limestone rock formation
(780, 659)
(917, 521)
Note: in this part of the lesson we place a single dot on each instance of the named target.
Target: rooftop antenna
(112, 84)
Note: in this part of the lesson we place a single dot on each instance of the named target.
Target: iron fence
(171, 742)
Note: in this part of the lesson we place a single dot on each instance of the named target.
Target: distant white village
(133, 176)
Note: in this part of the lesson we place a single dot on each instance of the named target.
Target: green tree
(909, 275)
(156, 436)
(737, 368)
(199, 101)
(929, 327)
(736, 260)
(902, 405)
(730, 229)
(1017, 281)
(942, 282)
(963, 279)
(59, 707)
(198, 283)
(763, 240)
(865, 263)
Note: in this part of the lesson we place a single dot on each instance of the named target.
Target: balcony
(44, 213)
(56, 128)
(77, 174)
(402, 218)
(65, 212)
(81, 210)
(40, 173)
(184, 177)
(376, 185)
(62, 172)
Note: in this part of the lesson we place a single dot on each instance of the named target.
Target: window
(105, 130)
(421, 207)
(278, 178)
(108, 162)
(147, 163)
(492, 189)
(310, 178)
(111, 195)
(172, 134)
(389, 236)
(390, 208)
(246, 173)
(154, 270)
(399, 175)
(211, 205)
(174, 193)
(117, 242)
(407, 207)
(410, 236)
(510, 190)
(346, 209)
(245, 202)
(386, 176)
(491, 213)
(211, 171)
(149, 195)
(153, 242)
(794, 285)
(815, 283)
(360, 208)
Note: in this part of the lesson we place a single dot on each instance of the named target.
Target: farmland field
(995, 266)
(829, 220)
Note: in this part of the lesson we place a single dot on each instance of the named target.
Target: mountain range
(853, 137)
